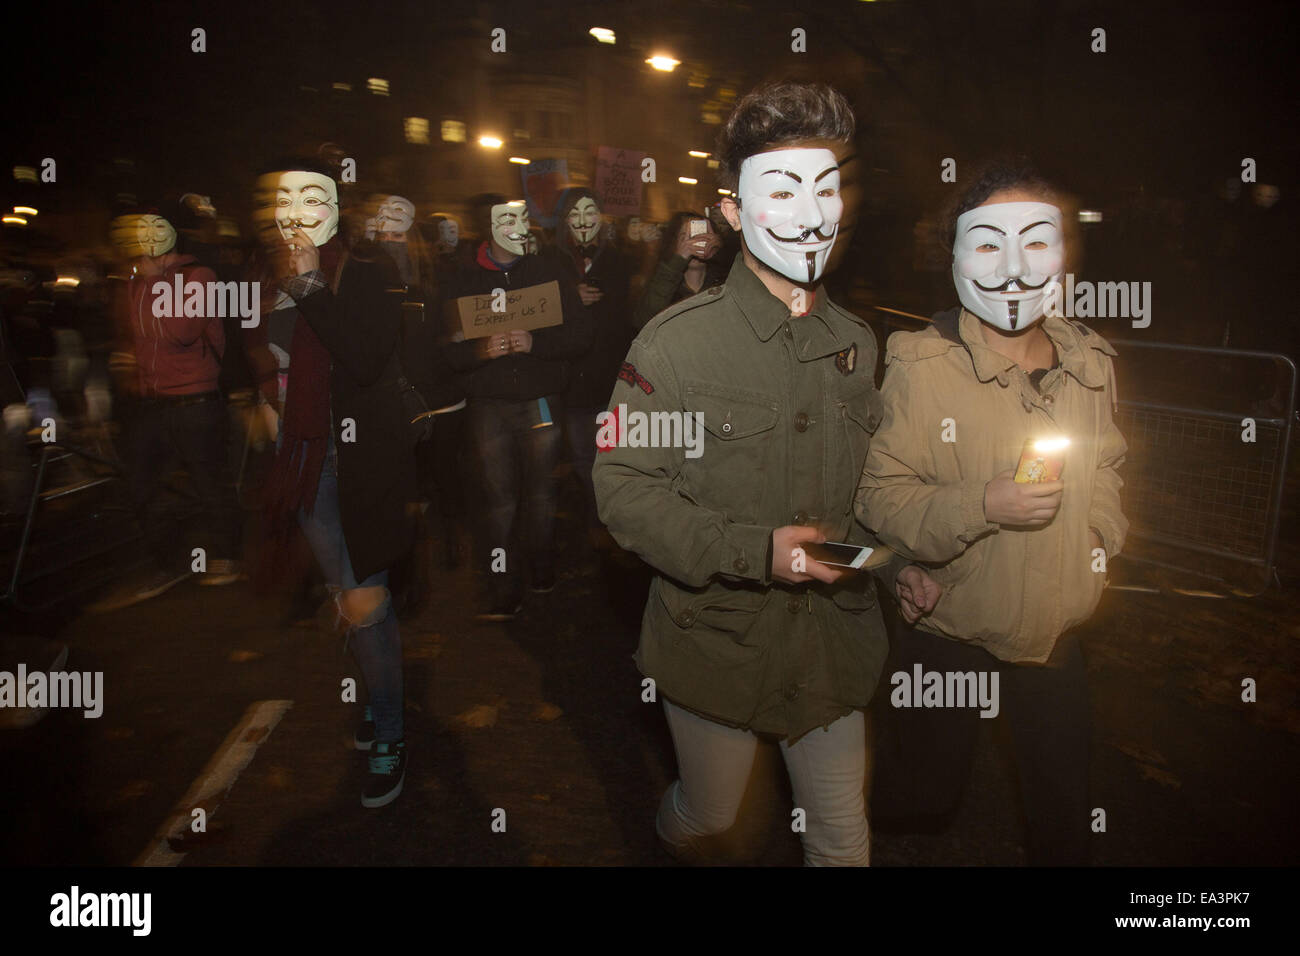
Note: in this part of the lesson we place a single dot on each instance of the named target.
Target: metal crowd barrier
(1191, 481)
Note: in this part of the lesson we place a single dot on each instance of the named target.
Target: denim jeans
(161, 434)
(580, 423)
(516, 455)
(827, 770)
(376, 641)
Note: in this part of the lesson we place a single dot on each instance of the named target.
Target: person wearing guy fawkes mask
(344, 471)
(169, 363)
(602, 274)
(425, 364)
(515, 381)
(744, 633)
(1023, 559)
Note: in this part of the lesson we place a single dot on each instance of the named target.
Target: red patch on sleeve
(629, 374)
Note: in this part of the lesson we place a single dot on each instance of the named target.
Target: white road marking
(216, 779)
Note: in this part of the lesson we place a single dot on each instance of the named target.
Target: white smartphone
(838, 555)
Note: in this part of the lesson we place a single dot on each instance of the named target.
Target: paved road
(542, 718)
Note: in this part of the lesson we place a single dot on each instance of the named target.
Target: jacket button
(726, 428)
(1048, 399)
(741, 565)
(687, 617)
(801, 422)
(793, 604)
(801, 517)
(716, 290)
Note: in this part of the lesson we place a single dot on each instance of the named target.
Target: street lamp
(603, 34)
(490, 142)
(663, 62)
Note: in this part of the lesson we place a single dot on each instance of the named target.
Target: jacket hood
(1082, 352)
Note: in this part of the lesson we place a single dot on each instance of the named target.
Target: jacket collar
(813, 335)
(1078, 356)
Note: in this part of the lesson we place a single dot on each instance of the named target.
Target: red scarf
(305, 424)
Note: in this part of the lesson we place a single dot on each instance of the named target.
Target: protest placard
(530, 307)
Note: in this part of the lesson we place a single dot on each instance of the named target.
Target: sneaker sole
(118, 603)
(371, 803)
(543, 590)
(360, 744)
(219, 581)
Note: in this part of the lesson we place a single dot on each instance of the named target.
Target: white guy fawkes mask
(790, 209)
(154, 235)
(584, 221)
(310, 200)
(396, 214)
(510, 227)
(1003, 257)
(449, 232)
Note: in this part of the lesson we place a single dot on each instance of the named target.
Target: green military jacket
(788, 405)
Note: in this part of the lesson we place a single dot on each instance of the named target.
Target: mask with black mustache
(1003, 258)
(790, 209)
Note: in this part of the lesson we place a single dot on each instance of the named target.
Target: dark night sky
(1183, 89)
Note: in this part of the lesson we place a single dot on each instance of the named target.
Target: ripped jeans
(375, 641)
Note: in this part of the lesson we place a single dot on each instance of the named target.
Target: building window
(564, 124)
(416, 129)
(453, 131)
(543, 124)
(377, 86)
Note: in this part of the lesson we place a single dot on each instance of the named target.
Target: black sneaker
(387, 771)
(365, 736)
(543, 581)
(504, 610)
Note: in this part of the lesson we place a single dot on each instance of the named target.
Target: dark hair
(994, 176)
(300, 164)
(569, 200)
(480, 212)
(668, 237)
(781, 114)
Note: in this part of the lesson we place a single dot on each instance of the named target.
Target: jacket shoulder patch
(628, 373)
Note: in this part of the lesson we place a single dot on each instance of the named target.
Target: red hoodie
(176, 355)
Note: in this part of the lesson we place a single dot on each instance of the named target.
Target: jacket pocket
(740, 439)
(714, 614)
(860, 410)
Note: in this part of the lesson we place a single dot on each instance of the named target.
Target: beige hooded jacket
(957, 413)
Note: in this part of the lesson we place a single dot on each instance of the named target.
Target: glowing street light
(490, 142)
(520, 160)
(663, 63)
(24, 210)
(698, 153)
(13, 220)
(603, 34)
(687, 181)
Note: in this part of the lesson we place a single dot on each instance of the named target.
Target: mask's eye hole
(827, 192)
(1036, 244)
(783, 194)
(986, 247)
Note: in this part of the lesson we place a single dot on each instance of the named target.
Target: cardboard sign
(618, 181)
(532, 307)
